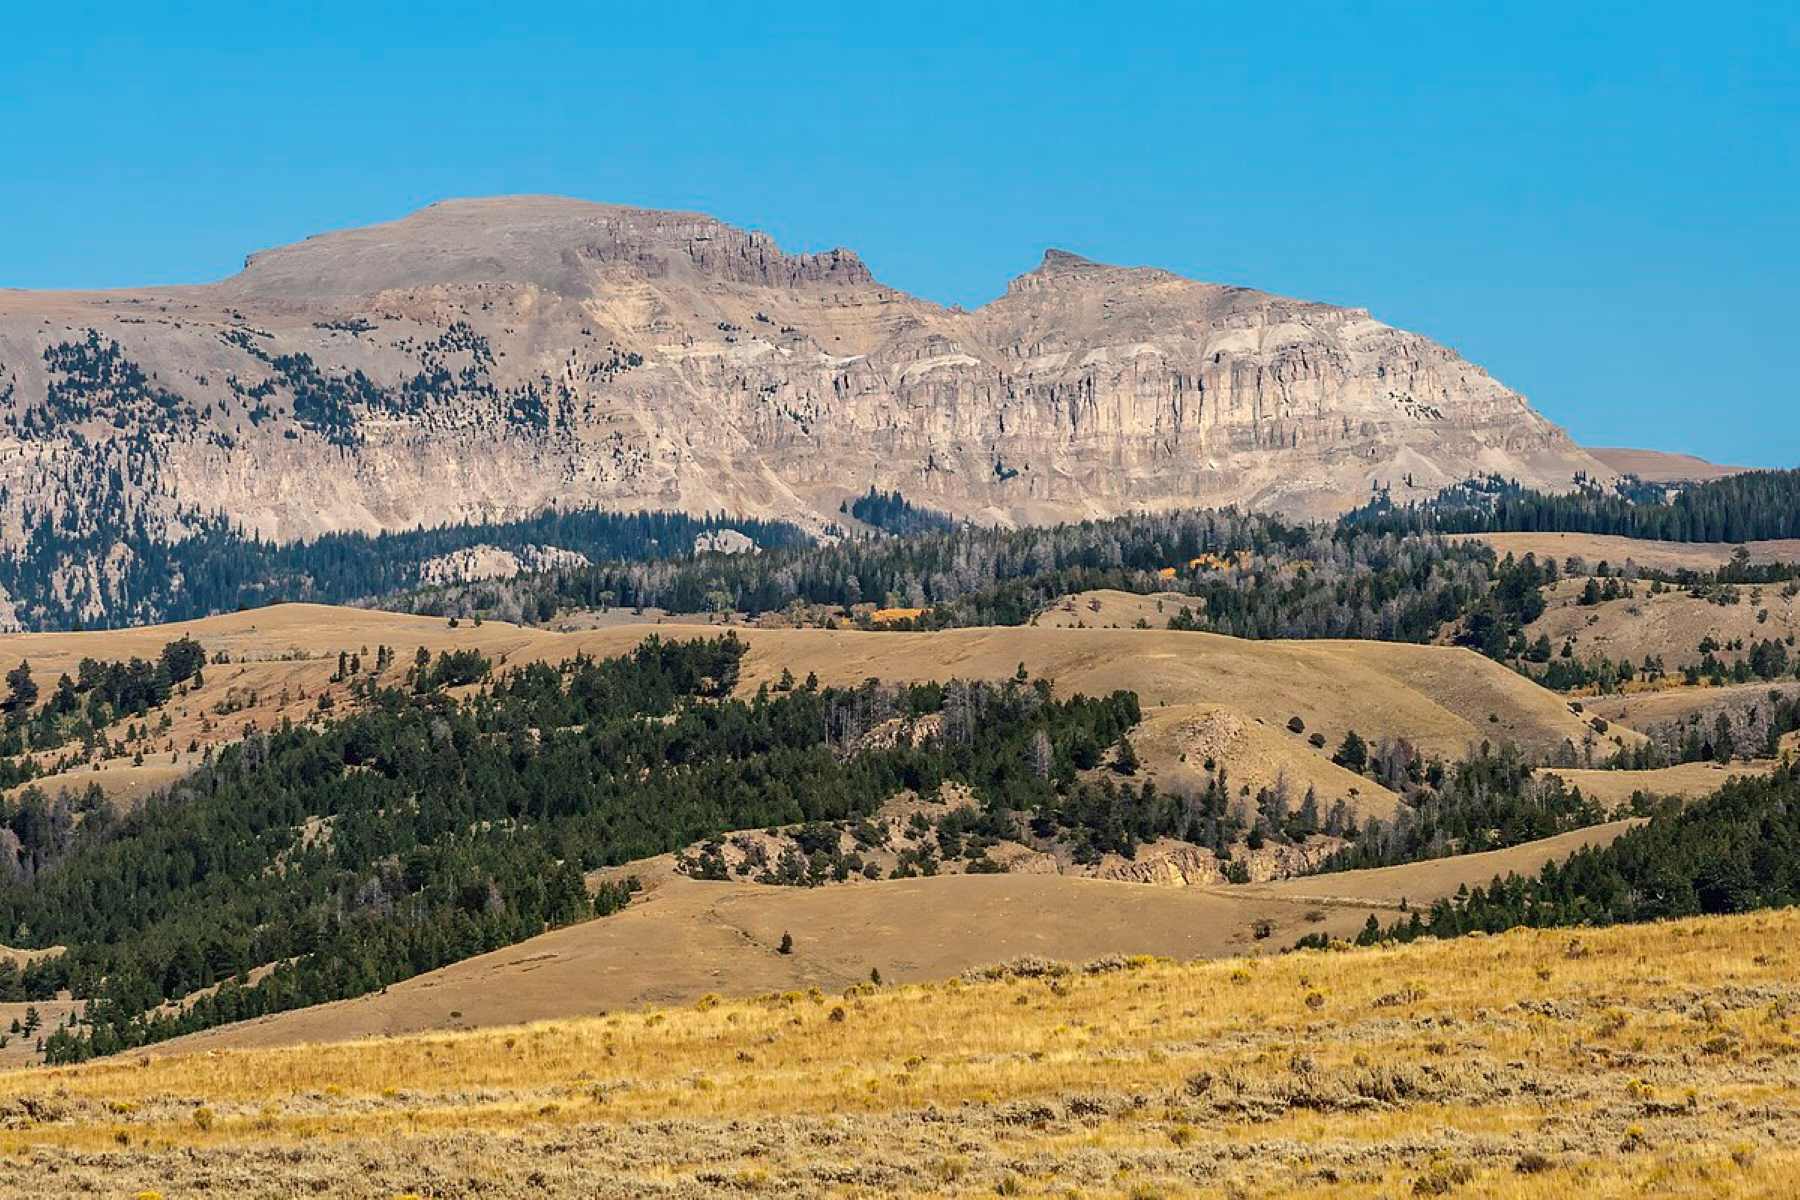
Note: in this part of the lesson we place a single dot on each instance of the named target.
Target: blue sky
(1600, 203)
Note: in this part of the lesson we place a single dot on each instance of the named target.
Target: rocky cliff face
(485, 359)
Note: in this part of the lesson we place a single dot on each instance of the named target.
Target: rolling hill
(1660, 466)
(1250, 709)
(1673, 624)
(1199, 690)
(687, 938)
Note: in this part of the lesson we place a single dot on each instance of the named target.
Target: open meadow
(1633, 1061)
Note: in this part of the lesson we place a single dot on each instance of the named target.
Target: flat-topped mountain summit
(561, 246)
(487, 359)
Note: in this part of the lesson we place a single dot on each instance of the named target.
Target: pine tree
(1724, 745)
(1125, 759)
(1352, 754)
(22, 690)
(1306, 821)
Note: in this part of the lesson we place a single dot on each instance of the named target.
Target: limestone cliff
(484, 359)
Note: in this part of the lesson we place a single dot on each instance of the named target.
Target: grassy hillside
(282, 659)
(1687, 705)
(1420, 884)
(1656, 1060)
(1650, 555)
(1672, 625)
(1689, 781)
(685, 938)
(361, 851)
(689, 938)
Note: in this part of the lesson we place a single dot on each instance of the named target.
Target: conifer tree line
(1283, 579)
(1733, 852)
(1752, 506)
(1494, 799)
(1380, 572)
(1248, 575)
(215, 567)
(892, 512)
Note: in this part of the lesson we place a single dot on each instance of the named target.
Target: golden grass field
(1195, 1059)
(1656, 1061)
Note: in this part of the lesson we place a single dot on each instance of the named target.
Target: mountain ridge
(487, 359)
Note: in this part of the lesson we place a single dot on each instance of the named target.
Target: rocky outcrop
(484, 360)
(724, 541)
(1172, 863)
(474, 563)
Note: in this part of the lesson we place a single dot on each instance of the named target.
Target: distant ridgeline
(1753, 506)
(1382, 572)
(217, 568)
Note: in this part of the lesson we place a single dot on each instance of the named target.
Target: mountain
(1660, 466)
(483, 360)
